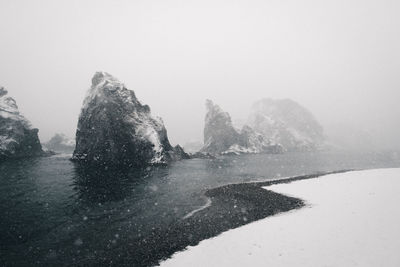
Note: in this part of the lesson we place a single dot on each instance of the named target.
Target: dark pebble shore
(232, 206)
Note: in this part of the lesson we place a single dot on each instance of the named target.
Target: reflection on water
(56, 212)
(94, 185)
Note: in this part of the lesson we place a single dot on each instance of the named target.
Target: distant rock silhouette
(287, 123)
(17, 137)
(220, 137)
(114, 128)
(60, 143)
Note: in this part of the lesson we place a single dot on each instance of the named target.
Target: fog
(340, 59)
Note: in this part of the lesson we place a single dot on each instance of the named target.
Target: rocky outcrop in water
(287, 123)
(114, 128)
(17, 137)
(220, 137)
(219, 134)
(60, 143)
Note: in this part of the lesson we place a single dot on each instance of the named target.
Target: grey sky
(340, 59)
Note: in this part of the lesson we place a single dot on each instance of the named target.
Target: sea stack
(286, 122)
(18, 139)
(219, 134)
(114, 128)
(220, 137)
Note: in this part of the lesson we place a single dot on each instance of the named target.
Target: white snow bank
(352, 219)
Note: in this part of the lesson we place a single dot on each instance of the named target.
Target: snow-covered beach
(351, 219)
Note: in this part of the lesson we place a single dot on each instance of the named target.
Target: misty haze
(204, 133)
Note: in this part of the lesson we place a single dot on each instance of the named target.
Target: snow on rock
(352, 219)
(220, 137)
(287, 123)
(115, 128)
(17, 137)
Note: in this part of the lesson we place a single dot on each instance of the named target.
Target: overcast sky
(340, 59)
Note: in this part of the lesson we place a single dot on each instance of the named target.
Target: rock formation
(219, 134)
(287, 123)
(220, 137)
(17, 137)
(114, 128)
(60, 143)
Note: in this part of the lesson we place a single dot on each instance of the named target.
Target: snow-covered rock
(220, 137)
(287, 123)
(60, 143)
(17, 137)
(115, 128)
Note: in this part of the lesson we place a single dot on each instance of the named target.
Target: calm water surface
(55, 212)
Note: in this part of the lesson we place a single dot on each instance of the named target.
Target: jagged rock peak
(115, 128)
(17, 137)
(101, 76)
(215, 112)
(105, 85)
(219, 134)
